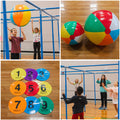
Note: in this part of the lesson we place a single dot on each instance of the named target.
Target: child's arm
(81, 79)
(24, 37)
(39, 26)
(32, 25)
(108, 81)
(98, 81)
(109, 90)
(70, 81)
(9, 35)
(67, 101)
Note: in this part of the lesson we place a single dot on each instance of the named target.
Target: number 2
(30, 73)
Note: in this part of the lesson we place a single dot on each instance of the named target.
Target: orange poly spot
(107, 40)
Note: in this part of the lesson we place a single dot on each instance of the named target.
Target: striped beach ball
(102, 27)
(72, 33)
(20, 18)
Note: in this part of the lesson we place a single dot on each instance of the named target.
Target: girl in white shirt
(113, 94)
(36, 40)
(76, 83)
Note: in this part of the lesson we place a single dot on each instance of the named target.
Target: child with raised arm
(103, 92)
(79, 103)
(76, 83)
(113, 94)
(36, 40)
(15, 42)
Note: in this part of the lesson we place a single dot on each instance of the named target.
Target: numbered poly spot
(17, 105)
(32, 88)
(17, 88)
(43, 74)
(46, 105)
(44, 88)
(33, 105)
(31, 74)
(18, 74)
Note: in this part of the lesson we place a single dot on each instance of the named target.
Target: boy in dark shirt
(15, 42)
(79, 103)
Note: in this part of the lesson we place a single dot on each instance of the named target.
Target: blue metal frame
(80, 72)
(5, 35)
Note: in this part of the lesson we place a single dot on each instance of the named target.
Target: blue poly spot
(114, 34)
(73, 42)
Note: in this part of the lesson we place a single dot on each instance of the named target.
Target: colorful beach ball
(72, 33)
(102, 27)
(20, 18)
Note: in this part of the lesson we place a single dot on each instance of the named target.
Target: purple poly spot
(31, 74)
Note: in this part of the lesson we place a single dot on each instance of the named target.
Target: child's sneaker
(116, 116)
(105, 108)
(101, 108)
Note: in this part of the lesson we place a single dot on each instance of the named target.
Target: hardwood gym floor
(6, 80)
(79, 11)
(92, 111)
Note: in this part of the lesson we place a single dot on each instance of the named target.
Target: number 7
(18, 102)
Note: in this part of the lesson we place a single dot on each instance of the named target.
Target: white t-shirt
(113, 94)
(36, 37)
(76, 86)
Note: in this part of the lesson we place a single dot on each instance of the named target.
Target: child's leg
(116, 107)
(102, 103)
(39, 50)
(82, 115)
(34, 46)
(105, 95)
(75, 116)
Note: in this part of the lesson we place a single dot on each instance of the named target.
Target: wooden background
(79, 11)
(6, 80)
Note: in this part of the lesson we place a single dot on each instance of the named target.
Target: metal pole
(94, 89)
(41, 37)
(20, 36)
(5, 33)
(118, 89)
(84, 87)
(66, 91)
(58, 34)
(53, 38)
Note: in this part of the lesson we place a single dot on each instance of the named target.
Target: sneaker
(116, 116)
(101, 108)
(105, 108)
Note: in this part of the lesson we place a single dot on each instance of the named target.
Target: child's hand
(85, 95)
(67, 78)
(39, 20)
(98, 79)
(32, 21)
(103, 84)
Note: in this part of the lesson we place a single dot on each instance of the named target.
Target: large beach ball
(102, 27)
(72, 33)
(20, 18)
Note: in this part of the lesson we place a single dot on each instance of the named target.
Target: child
(36, 40)
(114, 94)
(103, 92)
(79, 103)
(76, 83)
(15, 42)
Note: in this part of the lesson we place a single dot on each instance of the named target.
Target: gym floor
(79, 11)
(6, 80)
(92, 111)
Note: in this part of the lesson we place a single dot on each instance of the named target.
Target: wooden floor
(79, 11)
(6, 80)
(92, 111)
(30, 56)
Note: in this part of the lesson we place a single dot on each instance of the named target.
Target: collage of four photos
(60, 59)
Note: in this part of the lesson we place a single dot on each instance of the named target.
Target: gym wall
(89, 79)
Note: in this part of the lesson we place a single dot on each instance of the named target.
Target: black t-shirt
(79, 103)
